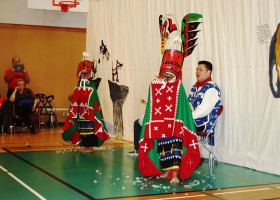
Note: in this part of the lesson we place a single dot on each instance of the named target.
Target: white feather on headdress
(85, 55)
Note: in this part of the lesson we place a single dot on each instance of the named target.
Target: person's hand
(33, 107)
(143, 101)
(36, 101)
(13, 69)
(24, 70)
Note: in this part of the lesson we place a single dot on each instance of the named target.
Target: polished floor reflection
(46, 167)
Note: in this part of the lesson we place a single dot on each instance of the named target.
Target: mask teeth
(83, 83)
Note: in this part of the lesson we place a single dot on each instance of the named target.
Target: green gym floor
(108, 173)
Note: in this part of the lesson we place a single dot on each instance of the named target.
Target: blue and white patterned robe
(206, 103)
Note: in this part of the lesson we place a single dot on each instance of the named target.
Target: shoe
(32, 129)
(133, 153)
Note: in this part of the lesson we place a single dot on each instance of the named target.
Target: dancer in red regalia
(168, 144)
(84, 125)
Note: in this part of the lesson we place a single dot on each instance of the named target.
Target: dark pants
(137, 131)
(23, 112)
(7, 119)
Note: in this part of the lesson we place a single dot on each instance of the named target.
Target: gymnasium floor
(43, 166)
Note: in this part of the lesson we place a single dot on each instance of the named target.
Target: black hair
(207, 64)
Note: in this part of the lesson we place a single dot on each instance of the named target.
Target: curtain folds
(235, 36)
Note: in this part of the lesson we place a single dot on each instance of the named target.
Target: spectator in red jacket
(17, 71)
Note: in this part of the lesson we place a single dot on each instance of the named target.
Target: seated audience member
(17, 71)
(6, 115)
(25, 103)
(205, 100)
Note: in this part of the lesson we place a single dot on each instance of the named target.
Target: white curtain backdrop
(235, 36)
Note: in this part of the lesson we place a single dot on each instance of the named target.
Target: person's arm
(208, 103)
(26, 76)
(8, 75)
(36, 101)
(13, 96)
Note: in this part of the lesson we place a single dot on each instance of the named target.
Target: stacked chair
(46, 110)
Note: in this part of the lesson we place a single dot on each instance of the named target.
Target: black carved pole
(118, 94)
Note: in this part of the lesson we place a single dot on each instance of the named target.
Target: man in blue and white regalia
(205, 98)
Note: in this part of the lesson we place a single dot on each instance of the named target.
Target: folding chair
(46, 109)
(204, 136)
(45, 103)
